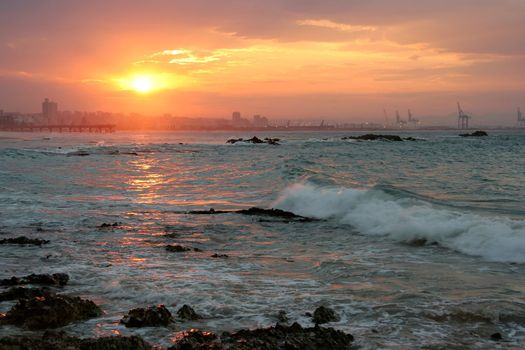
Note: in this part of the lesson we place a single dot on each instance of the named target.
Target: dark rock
(50, 311)
(410, 138)
(478, 133)
(254, 211)
(56, 279)
(108, 225)
(233, 141)
(275, 213)
(152, 316)
(61, 341)
(255, 140)
(209, 212)
(282, 317)
(24, 293)
(224, 256)
(496, 336)
(374, 137)
(324, 315)
(177, 248)
(24, 241)
(196, 340)
(279, 337)
(187, 313)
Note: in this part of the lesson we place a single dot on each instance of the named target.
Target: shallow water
(421, 244)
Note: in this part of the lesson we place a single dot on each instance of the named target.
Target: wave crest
(409, 219)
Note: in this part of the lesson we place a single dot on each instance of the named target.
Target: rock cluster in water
(24, 241)
(378, 137)
(256, 140)
(478, 133)
(292, 337)
(50, 311)
(324, 315)
(61, 341)
(56, 279)
(254, 211)
(186, 312)
(152, 316)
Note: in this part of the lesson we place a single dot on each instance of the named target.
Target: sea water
(419, 244)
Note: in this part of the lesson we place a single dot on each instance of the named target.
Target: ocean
(417, 244)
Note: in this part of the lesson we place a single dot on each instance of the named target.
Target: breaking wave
(409, 219)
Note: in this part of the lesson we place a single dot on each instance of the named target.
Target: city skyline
(344, 60)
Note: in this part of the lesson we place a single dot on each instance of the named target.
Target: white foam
(373, 212)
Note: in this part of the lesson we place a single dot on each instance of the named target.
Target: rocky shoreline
(45, 309)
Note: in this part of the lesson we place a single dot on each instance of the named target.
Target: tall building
(259, 121)
(49, 111)
(236, 118)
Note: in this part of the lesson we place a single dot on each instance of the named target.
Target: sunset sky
(339, 59)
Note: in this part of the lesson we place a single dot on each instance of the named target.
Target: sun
(142, 84)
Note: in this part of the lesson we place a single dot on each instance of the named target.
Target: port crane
(463, 118)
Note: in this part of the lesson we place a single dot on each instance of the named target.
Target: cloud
(325, 23)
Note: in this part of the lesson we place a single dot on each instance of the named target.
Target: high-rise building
(259, 121)
(236, 117)
(49, 111)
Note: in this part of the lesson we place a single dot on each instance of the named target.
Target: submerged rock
(255, 211)
(223, 256)
(56, 279)
(324, 315)
(282, 337)
(177, 248)
(110, 225)
(61, 341)
(276, 213)
(50, 311)
(282, 317)
(478, 133)
(255, 140)
(24, 241)
(374, 137)
(24, 293)
(152, 316)
(187, 313)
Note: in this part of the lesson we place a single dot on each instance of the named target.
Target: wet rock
(187, 313)
(153, 316)
(496, 336)
(24, 293)
(61, 341)
(50, 311)
(282, 317)
(56, 279)
(177, 248)
(279, 337)
(324, 315)
(209, 212)
(255, 211)
(282, 215)
(255, 140)
(374, 137)
(219, 256)
(110, 225)
(478, 133)
(196, 340)
(24, 241)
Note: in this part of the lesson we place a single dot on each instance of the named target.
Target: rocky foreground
(43, 307)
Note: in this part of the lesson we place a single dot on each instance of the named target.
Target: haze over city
(341, 60)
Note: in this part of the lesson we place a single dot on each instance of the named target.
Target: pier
(98, 128)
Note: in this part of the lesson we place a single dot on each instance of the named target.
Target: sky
(304, 59)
